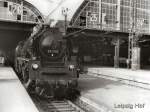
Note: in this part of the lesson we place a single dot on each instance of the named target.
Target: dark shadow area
(145, 57)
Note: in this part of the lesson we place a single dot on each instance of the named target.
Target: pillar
(135, 64)
(116, 57)
(118, 15)
(100, 13)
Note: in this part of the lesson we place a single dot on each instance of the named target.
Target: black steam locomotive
(46, 57)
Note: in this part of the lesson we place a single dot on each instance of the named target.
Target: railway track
(63, 106)
(49, 105)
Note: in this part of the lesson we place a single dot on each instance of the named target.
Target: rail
(49, 105)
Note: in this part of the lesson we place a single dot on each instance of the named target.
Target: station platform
(13, 96)
(140, 78)
(105, 95)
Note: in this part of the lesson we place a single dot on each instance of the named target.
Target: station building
(17, 19)
(19, 10)
(103, 25)
(117, 18)
(113, 15)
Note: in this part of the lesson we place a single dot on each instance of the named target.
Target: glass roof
(52, 9)
(44, 6)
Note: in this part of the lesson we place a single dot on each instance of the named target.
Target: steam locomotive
(46, 57)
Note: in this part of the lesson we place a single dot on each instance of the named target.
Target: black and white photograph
(74, 55)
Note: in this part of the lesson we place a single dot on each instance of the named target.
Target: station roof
(44, 6)
(52, 9)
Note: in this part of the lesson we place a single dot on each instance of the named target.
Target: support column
(117, 49)
(100, 13)
(118, 15)
(133, 53)
(21, 10)
(135, 65)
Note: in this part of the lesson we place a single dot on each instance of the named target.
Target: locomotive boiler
(46, 57)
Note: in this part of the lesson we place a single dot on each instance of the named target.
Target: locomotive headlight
(71, 67)
(35, 66)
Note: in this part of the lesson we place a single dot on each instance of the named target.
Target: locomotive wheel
(73, 84)
(27, 82)
(25, 76)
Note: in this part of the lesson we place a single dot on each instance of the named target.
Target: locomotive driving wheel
(25, 76)
(27, 82)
